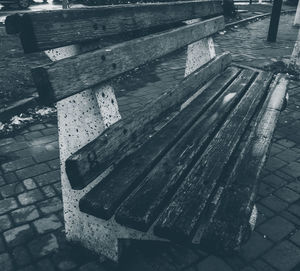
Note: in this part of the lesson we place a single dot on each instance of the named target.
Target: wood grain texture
(179, 221)
(69, 76)
(230, 227)
(163, 180)
(52, 29)
(103, 200)
(119, 140)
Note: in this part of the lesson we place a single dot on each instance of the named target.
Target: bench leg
(198, 54)
(81, 118)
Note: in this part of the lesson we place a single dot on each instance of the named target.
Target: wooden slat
(118, 140)
(51, 29)
(230, 224)
(163, 180)
(103, 200)
(69, 76)
(180, 219)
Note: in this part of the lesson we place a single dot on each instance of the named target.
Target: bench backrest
(110, 42)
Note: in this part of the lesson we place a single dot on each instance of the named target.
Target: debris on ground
(21, 121)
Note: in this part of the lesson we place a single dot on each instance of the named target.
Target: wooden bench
(160, 139)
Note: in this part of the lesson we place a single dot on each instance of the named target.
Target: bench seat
(178, 181)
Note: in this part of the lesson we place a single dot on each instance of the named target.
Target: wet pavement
(31, 219)
(250, 45)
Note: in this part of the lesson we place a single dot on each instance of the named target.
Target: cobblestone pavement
(31, 220)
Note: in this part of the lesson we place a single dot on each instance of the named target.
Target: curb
(18, 108)
(256, 17)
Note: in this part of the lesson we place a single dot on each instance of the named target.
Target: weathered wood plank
(230, 224)
(163, 180)
(119, 139)
(103, 200)
(51, 29)
(180, 219)
(66, 77)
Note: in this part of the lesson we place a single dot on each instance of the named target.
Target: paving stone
(92, 266)
(213, 263)
(11, 189)
(43, 140)
(47, 224)
(10, 177)
(45, 265)
(52, 146)
(24, 215)
(296, 238)
(30, 268)
(17, 164)
(5, 223)
(265, 189)
(255, 247)
(234, 261)
(286, 143)
(274, 163)
(57, 187)
(65, 265)
(264, 210)
(291, 218)
(51, 125)
(29, 184)
(262, 266)
(48, 178)
(276, 228)
(288, 155)
(273, 203)
(294, 186)
(295, 208)
(296, 149)
(24, 131)
(33, 135)
(19, 235)
(274, 181)
(2, 181)
(261, 218)
(16, 146)
(2, 245)
(50, 131)
(61, 217)
(48, 191)
(19, 138)
(7, 205)
(46, 155)
(21, 256)
(43, 245)
(32, 171)
(50, 206)
(30, 197)
(37, 127)
(25, 153)
(6, 262)
(283, 256)
(292, 169)
(54, 164)
(287, 194)
(6, 141)
(275, 150)
(248, 268)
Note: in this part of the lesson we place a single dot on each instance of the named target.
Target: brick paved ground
(31, 220)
